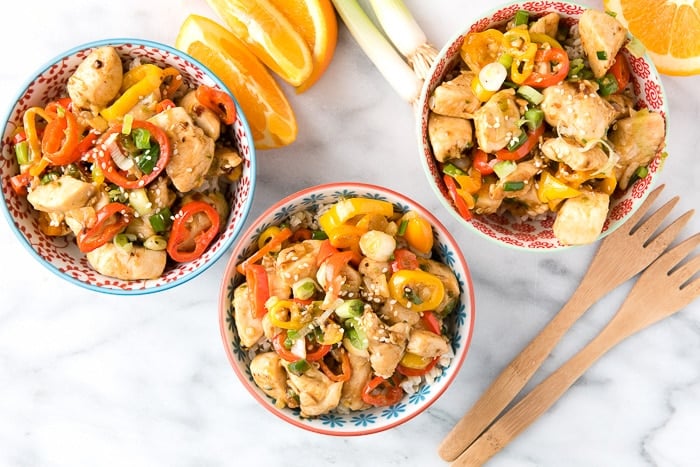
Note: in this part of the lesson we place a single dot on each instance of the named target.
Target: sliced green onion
(161, 220)
(49, 177)
(350, 309)
(355, 334)
(127, 124)
(155, 243)
(533, 118)
(642, 172)
(319, 235)
(517, 141)
(389, 63)
(602, 55)
(22, 153)
(138, 199)
(521, 17)
(607, 85)
(402, 228)
(124, 241)
(117, 194)
(506, 60)
(611, 13)
(452, 170)
(504, 168)
(513, 186)
(304, 289)
(142, 138)
(146, 161)
(492, 76)
(298, 367)
(575, 67)
(530, 94)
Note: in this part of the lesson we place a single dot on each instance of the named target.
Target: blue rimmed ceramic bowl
(60, 254)
(459, 323)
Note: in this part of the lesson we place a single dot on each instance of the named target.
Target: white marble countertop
(90, 379)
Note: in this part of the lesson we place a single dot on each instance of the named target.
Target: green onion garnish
(161, 220)
(521, 17)
(22, 152)
(513, 186)
(602, 55)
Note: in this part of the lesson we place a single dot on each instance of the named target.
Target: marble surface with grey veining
(91, 379)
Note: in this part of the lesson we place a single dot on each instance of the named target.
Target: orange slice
(668, 29)
(316, 22)
(269, 35)
(265, 106)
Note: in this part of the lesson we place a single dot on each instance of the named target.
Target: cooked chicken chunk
(496, 122)
(524, 172)
(392, 312)
(134, 264)
(248, 325)
(192, 150)
(575, 109)
(450, 137)
(386, 344)
(375, 278)
(279, 286)
(61, 195)
(580, 220)
(455, 98)
(568, 151)
(602, 36)
(449, 281)
(427, 344)
(636, 140)
(317, 393)
(298, 261)
(97, 80)
(622, 103)
(547, 24)
(351, 395)
(202, 116)
(227, 162)
(270, 376)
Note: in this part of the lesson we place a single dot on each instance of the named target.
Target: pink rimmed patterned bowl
(60, 254)
(460, 322)
(536, 234)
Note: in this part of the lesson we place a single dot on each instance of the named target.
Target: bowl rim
(424, 96)
(116, 41)
(455, 365)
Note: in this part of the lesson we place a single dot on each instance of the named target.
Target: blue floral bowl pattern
(460, 322)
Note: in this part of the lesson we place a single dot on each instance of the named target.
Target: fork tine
(634, 219)
(666, 236)
(648, 226)
(669, 260)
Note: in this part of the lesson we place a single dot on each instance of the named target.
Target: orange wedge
(264, 104)
(668, 29)
(316, 22)
(269, 35)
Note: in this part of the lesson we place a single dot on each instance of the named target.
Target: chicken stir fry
(539, 117)
(132, 163)
(341, 310)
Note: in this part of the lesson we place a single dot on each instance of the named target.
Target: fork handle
(514, 377)
(541, 398)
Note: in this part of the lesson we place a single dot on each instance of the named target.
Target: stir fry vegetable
(349, 321)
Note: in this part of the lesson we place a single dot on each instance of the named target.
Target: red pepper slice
(19, 137)
(620, 69)
(64, 103)
(524, 149)
(315, 351)
(345, 368)
(550, 77)
(165, 104)
(111, 219)
(180, 246)
(300, 235)
(460, 204)
(20, 182)
(480, 161)
(404, 259)
(60, 140)
(116, 176)
(381, 392)
(256, 277)
(324, 251)
(219, 102)
(272, 244)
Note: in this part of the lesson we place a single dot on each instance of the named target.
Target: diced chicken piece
(449, 281)
(568, 151)
(496, 122)
(61, 195)
(192, 150)
(426, 344)
(527, 204)
(524, 172)
(450, 137)
(270, 376)
(298, 261)
(80, 218)
(202, 116)
(248, 325)
(386, 344)
(140, 227)
(547, 24)
(575, 109)
(146, 106)
(52, 224)
(392, 312)
(485, 204)
(636, 140)
(317, 393)
(622, 103)
(580, 220)
(135, 263)
(455, 98)
(351, 395)
(97, 80)
(160, 194)
(602, 36)
(279, 286)
(227, 162)
(375, 278)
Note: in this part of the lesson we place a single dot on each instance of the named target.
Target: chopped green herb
(607, 85)
(298, 367)
(513, 186)
(161, 220)
(602, 55)
(142, 138)
(521, 17)
(22, 152)
(319, 235)
(452, 170)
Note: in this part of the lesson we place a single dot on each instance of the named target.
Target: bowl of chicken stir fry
(543, 125)
(127, 167)
(346, 309)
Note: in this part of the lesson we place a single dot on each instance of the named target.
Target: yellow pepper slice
(348, 208)
(418, 233)
(550, 188)
(286, 314)
(137, 83)
(267, 235)
(481, 48)
(415, 361)
(517, 43)
(540, 38)
(416, 289)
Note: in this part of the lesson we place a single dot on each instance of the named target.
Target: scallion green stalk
(378, 49)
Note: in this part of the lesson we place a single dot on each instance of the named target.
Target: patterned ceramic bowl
(60, 254)
(536, 234)
(460, 322)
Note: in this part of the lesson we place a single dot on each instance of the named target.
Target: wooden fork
(664, 288)
(621, 256)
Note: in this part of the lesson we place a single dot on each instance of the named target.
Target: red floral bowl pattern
(60, 254)
(537, 234)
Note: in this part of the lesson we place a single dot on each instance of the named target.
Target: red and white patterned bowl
(60, 254)
(537, 234)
